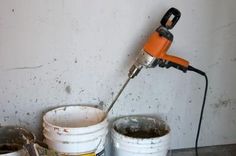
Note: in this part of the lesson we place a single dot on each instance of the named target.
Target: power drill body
(154, 50)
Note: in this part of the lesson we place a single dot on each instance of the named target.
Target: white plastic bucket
(140, 136)
(76, 130)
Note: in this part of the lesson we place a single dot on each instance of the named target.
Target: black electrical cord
(203, 105)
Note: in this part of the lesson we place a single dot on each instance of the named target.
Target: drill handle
(174, 61)
(170, 18)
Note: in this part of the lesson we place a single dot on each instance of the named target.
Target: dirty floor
(225, 150)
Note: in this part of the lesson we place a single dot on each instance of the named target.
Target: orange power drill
(154, 50)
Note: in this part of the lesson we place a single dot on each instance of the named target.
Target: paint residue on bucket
(75, 130)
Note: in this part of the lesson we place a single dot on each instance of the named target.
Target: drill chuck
(143, 60)
(134, 70)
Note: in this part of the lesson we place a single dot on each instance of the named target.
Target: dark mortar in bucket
(8, 148)
(13, 138)
(141, 127)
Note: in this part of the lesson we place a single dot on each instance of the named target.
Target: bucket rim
(118, 135)
(74, 130)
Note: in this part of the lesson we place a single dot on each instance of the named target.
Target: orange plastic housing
(158, 45)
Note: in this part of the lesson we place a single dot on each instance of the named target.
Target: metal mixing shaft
(118, 95)
(143, 59)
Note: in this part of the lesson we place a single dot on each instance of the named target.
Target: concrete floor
(224, 150)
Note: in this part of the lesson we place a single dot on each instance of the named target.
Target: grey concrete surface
(223, 150)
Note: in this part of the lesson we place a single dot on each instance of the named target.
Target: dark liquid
(139, 133)
(8, 148)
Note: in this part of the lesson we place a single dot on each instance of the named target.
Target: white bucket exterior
(123, 145)
(75, 130)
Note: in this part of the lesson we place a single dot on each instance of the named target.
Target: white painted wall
(68, 52)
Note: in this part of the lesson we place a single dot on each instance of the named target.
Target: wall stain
(101, 105)
(22, 122)
(81, 91)
(58, 81)
(5, 118)
(68, 89)
(222, 103)
(225, 26)
(233, 59)
(213, 64)
(112, 94)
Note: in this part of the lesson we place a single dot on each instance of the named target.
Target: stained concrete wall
(68, 52)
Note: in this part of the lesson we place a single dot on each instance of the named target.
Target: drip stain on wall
(68, 89)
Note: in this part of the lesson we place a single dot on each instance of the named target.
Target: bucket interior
(141, 127)
(74, 116)
(12, 139)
